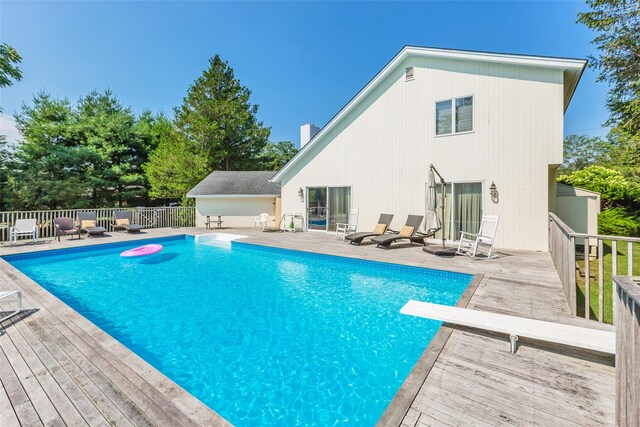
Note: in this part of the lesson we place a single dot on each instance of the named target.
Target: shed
(579, 209)
(238, 196)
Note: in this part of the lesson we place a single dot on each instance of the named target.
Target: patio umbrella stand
(432, 222)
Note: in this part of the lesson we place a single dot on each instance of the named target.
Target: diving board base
(573, 336)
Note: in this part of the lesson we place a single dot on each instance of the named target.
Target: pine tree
(218, 118)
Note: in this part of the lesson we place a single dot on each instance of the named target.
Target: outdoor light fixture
(301, 194)
(493, 190)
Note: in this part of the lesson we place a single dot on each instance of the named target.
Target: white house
(480, 118)
(237, 196)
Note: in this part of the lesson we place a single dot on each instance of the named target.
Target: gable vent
(408, 74)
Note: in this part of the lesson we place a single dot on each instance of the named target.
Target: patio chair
(123, 221)
(88, 223)
(64, 227)
(475, 244)
(383, 225)
(410, 232)
(11, 297)
(22, 228)
(342, 229)
(261, 220)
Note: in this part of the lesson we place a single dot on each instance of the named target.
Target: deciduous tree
(617, 23)
(175, 166)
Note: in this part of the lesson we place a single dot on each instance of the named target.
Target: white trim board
(573, 336)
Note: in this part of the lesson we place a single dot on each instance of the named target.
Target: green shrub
(613, 187)
(619, 222)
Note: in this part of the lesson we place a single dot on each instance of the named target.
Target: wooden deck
(56, 368)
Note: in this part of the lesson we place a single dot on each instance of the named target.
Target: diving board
(574, 336)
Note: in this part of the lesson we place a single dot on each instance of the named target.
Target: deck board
(57, 368)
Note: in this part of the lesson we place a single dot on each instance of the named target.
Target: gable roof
(572, 67)
(236, 183)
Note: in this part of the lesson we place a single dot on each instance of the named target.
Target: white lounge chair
(574, 336)
(343, 229)
(11, 297)
(23, 227)
(262, 220)
(474, 244)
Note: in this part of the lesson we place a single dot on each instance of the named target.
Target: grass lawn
(622, 259)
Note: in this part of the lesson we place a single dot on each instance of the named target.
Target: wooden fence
(593, 274)
(563, 253)
(147, 217)
(627, 351)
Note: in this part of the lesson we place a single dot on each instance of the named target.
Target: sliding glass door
(463, 209)
(317, 208)
(339, 205)
(327, 206)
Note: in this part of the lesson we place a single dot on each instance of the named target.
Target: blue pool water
(263, 336)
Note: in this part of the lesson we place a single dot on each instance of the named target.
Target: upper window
(454, 116)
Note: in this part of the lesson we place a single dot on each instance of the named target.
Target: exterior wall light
(301, 194)
(493, 191)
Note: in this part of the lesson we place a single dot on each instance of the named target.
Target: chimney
(307, 132)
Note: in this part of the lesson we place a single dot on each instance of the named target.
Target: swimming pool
(263, 336)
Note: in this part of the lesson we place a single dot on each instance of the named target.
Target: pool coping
(393, 414)
(397, 409)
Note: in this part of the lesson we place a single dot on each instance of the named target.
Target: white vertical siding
(383, 147)
(238, 212)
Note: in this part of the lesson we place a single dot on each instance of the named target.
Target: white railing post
(600, 281)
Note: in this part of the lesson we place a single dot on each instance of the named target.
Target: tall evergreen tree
(219, 119)
(119, 146)
(87, 156)
(275, 155)
(50, 167)
(9, 73)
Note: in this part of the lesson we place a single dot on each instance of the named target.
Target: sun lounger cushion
(406, 231)
(380, 228)
(87, 224)
(123, 221)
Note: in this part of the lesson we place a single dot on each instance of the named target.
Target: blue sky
(302, 60)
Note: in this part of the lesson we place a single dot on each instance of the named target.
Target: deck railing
(148, 217)
(563, 253)
(587, 279)
(627, 351)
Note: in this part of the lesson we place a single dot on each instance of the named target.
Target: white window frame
(453, 116)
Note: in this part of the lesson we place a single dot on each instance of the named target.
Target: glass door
(327, 206)
(463, 209)
(467, 208)
(317, 208)
(339, 205)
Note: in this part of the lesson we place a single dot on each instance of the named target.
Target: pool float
(142, 250)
